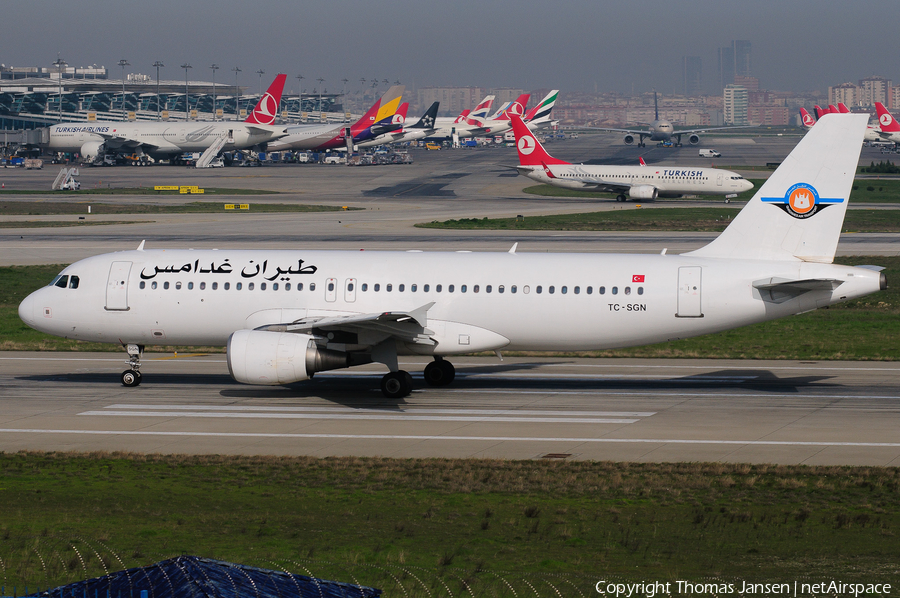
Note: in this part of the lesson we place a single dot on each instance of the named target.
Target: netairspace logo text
(649, 589)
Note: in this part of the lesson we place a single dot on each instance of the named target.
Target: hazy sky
(568, 44)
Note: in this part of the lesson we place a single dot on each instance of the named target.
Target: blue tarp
(196, 577)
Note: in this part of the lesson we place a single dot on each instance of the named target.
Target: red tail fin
(886, 119)
(367, 120)
(462, 116)
(266, 109)
(517, 107)
(400, 116)
(842, 108)
(531, 152)
(832, 109)
(806, 118)
(820, 112)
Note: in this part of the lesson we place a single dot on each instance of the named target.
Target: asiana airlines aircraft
(286, 314)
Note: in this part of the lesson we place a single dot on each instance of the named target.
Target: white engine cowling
(258, 357)
(90, 150)
(643, 192)
(694, 139)
(629, 139)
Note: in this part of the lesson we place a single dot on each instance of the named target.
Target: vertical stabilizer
(798, 212)
(806, 118)
(886, 120)
(266, 108)
(531, 152)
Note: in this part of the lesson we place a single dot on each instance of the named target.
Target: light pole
(300, 83)
(60, 65)
(362, 86)
(157, 64)
(187, 101)
(260, 72)
(237, 102)
(214, 68)
(320, 80)
(123, 63)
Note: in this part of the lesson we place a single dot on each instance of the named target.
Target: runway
(822, 413)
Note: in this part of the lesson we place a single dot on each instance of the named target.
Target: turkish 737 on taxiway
(166, 139)
(286, 314)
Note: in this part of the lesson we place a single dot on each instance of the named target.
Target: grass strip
(64, 223)
(863, 329)
(26, 208)
(864, 190)
(134, 191)
(634, 521)
(655, 219)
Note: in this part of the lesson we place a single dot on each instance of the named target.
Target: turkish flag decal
(637, 278)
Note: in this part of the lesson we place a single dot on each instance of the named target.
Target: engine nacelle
(263, 357)
(90, 150)
(629, 139)
(643, 192)
(694, 139)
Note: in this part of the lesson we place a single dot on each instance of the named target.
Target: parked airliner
(625, 181)
(166, 139)
(286, 314)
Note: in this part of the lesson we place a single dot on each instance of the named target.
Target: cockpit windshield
(64, 281)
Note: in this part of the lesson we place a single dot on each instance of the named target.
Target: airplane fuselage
(481, 301)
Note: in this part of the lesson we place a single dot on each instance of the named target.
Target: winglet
(420, 314)
(641, 160)
(141, 246)
(513, 248)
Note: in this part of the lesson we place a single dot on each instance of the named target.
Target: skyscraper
(742, 65)
(692, 75)
(725, 67)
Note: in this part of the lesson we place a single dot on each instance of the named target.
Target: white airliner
(625, 181)
(167, 139)
(286, 314)
(661, 130)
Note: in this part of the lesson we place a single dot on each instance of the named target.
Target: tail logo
(802, 201)
(526, 144)
(516, 109)
(266, 109)
(885, 120)
(807, 120)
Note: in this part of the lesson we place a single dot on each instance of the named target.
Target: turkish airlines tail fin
(266, 108)
(541, 112)
(820, 112)
(798, 212)
(531, 152)
(806, 118)
(842, 108)
(832, 109)
(886, 120)
(516, 107)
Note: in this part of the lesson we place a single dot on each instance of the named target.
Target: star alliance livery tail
(266, 109)
(427, 120)
(798, 212)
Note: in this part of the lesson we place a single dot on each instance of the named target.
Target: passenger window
(215, 286)
(287, 286)
(526, 289)
(202, 286)
(438, 288)
(450, 289)
(426, 288)
(487, 289)
(274, 286)
(262, 286)
(365, 287)
(627, 290)
(513, 289)
(239, 286)
(178, 286)
(577, 290)
(377, 287)
(602, 290)
(501, 288)
(330, 286)
(73, 282)
(143, 284)
(475, 289)
(250, 286)
(640, 290)
(539, 289)
(190, 286)
(312, 286)
(413, 288)
(61, 281)
(590, 290)
(299, 286)
(153, 285)
(227, 286)
(166, 285)
(389, 287)
(401, 287)
(463, 288)
(615, 290)
(349, 286)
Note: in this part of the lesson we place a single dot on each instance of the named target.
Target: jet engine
(263, 357)
(642, 192)
(694, 139)
(90, 150)
(629, 139)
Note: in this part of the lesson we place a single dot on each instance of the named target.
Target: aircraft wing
(408, 326)
(708, 129)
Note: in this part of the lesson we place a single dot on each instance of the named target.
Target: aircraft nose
(26, 310)
(747, 185)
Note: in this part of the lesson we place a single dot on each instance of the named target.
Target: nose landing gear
(132, 377)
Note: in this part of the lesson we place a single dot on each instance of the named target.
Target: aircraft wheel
(621, 197)
(396, 385)
(439, 373)
(131, 378)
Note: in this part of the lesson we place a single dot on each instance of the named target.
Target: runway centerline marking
(823, 443)
(389, 411)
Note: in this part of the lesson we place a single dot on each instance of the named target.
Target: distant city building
(725, 67)
(767, 115)
(453, 99)
(735, 104)
(742, 65)
(52, 72)
(894, 98)
(846, 93)
(873, 89)
(692, 75)
(747, 82)
(503, 95)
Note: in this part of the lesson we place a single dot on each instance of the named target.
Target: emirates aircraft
(166, 139)
(286, 314)
(625, 181)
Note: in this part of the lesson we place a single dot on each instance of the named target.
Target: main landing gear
(621, 197)
(396, 385)
(132, 376)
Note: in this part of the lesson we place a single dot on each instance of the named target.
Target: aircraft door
(350, 290)
(719, 179)
(331, 290)
(230, 137)
(689, 292)
(117, 286)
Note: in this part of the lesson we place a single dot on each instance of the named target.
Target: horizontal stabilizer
(779, 290)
